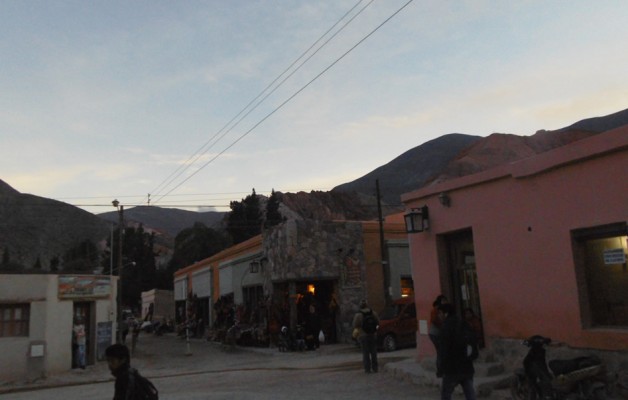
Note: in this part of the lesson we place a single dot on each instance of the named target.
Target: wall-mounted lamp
(417, 220)
(444, 199)
(254, 267)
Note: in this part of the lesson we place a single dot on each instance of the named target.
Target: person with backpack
(458, 349)
(365, 324)
(130, 385)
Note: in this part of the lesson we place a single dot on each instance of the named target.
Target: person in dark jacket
(119, 361)
(368, 340)
(455, 367)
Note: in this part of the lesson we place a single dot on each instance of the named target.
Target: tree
(138, 263)
(54, 264)
(138, 247)
(191, 245)
(245, 219)
(197, 243)
(82, 258)
(273, 216)
(8, 265)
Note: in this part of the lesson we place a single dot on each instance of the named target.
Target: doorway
(83, 312)
(310, 304)
(462, 279)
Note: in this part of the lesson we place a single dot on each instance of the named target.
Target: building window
(14, 319)
(600, 259)
(253, 295)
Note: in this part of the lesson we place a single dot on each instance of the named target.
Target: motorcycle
(581, 378)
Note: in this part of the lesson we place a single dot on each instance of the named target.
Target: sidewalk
(160, 356)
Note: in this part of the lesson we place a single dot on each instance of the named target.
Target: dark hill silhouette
(601, 124)
(168, 221)
(410, 170)
(33, 227)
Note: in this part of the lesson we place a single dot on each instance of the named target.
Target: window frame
(15, 326)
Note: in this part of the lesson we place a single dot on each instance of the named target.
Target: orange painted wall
(250, 246)
(522, 215)
(373, 259)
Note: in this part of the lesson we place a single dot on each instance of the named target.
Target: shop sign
(84, 286)
(104, 336)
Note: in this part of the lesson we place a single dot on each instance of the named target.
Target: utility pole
(385, 265)
(120, 208)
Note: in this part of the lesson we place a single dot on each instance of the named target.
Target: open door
(463, 279)
(84, 311)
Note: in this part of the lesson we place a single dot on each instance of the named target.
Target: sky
(197, 103)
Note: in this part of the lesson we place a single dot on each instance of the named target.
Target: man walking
(129, 383)
(456, 364)
(365, 324)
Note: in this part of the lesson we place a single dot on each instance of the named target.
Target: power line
(203, 150)
(289, 98)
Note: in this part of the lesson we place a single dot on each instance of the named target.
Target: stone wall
(309, 250)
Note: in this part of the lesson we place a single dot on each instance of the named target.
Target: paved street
(213, 372)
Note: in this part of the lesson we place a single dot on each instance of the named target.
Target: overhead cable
(289, 98)
(204, 148)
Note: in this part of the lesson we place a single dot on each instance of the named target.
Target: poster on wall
(614, 256)
(103, 338)
(84, 286)
(351, 272)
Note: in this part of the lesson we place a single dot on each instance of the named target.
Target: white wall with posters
(36, 319)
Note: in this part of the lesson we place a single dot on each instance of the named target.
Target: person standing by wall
(135, 328)
(80, 341)
(435, 325)
(365, 324)
(456, 365)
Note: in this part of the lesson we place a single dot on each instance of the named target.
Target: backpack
(467, 341)
(143, 388)
(369, 322)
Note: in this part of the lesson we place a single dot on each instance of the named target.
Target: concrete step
(482, 368)
(488, 378)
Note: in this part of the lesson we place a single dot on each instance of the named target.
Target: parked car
(397, 325)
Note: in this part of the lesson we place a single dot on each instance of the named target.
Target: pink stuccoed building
(537, 246)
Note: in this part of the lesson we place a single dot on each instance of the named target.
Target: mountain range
(33, 229)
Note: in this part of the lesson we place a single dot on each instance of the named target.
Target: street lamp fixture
(417, 220)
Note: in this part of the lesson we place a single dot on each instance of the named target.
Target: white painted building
(36, 319)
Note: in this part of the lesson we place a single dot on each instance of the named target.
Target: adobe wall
(522, 216)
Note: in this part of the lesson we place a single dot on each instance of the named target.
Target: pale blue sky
(104, 100)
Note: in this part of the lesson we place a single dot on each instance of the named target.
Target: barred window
(14, 319)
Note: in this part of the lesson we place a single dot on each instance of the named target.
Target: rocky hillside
(329, 206)
(456, 155)
(33, 227)
(411, 170)
(499, 148)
